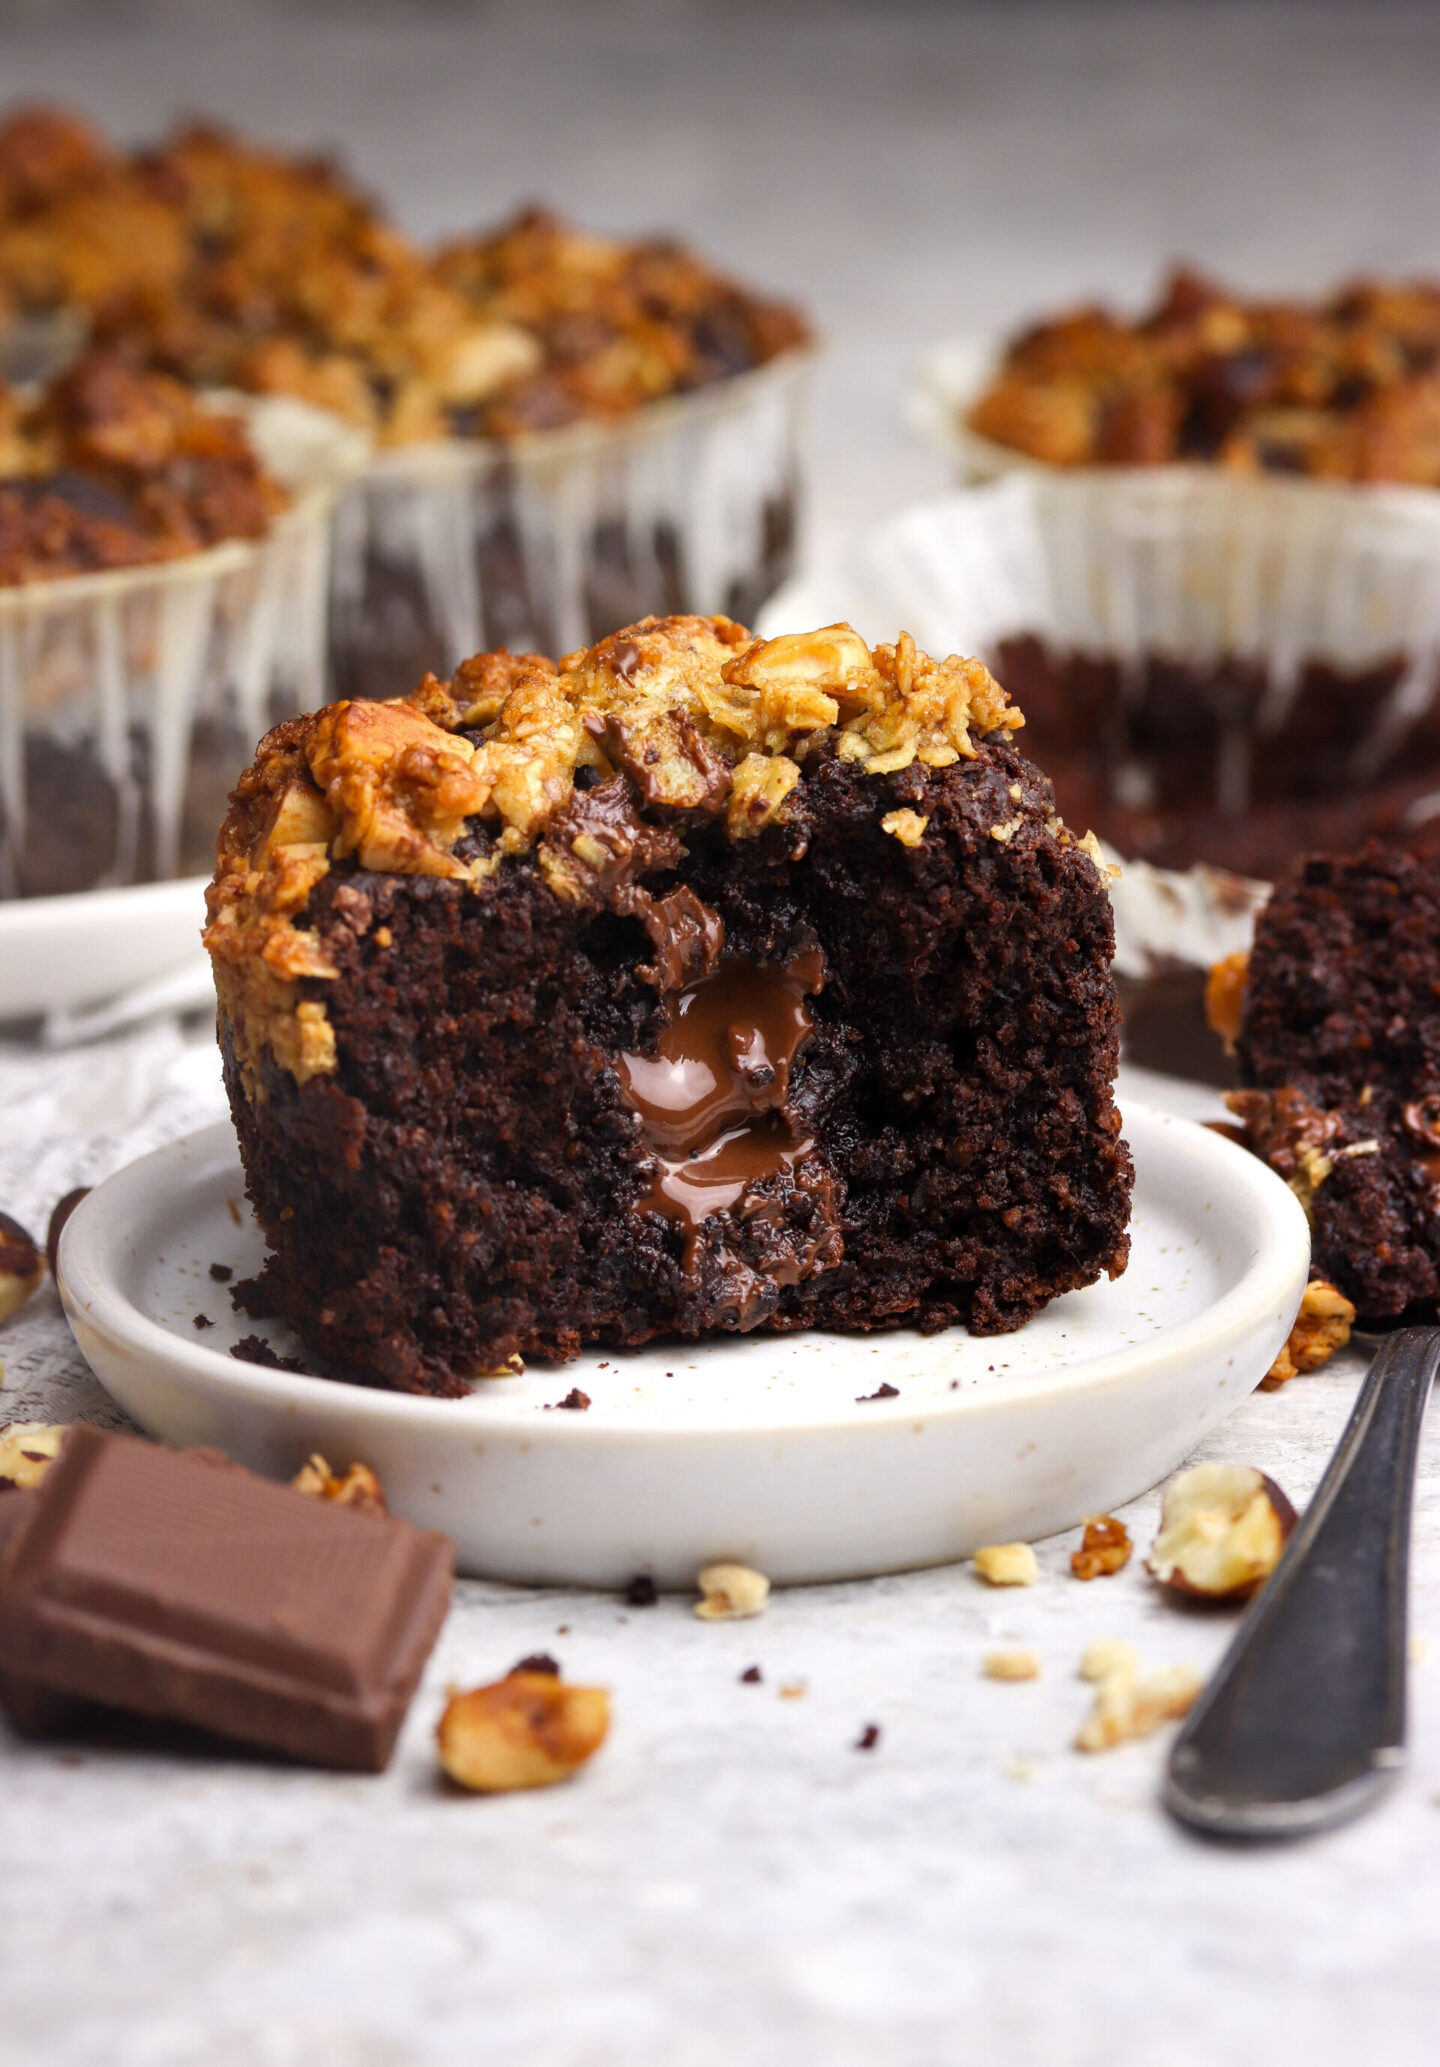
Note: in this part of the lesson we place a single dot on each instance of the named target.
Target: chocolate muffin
(1336, 1023)
(697, 984)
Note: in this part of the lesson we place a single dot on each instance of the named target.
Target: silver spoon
(1304, 1722)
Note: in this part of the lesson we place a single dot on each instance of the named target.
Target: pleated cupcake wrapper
(681, 493)
(111, 675)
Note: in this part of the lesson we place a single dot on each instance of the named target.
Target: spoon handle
(1304, 1722)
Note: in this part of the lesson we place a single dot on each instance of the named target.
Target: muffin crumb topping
(596, 765)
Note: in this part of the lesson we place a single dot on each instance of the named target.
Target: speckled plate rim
(92, 1266)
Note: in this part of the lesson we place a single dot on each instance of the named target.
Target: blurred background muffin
(570, 430)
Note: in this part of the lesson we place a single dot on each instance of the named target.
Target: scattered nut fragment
(1225, 998)
(1223, 1528)
(63, 1209)
(868, 1738)
(1104, 1548)
(1127, 1707)
(730, 1593)
(513, 1366)
(21, 1266)
(1007, 1564)
(358, 1488)
(1321, 1327)
(908, 827)
(642, 1592)
(794, 1689)
(528, 1730)
(1018, 1664)
(1106, 1656)
(27, 1450)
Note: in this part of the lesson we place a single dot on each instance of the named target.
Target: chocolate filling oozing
(713, 1107)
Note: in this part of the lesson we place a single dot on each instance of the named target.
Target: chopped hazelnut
(1018, 1664)
(1127, 1707)
(907, 826)
(528, 1730)
(1223, 1528)
(358, 1487)
(61, 1213)
(730, 1593)
(1321, 1327)
(27, 1450)
(21, 1266)
(1108, 1655)
(1104, 1548)
(1225, 998)
(1007, 1564)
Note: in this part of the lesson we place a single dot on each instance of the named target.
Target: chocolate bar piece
(150, 1580)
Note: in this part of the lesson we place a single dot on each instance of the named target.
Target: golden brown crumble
(1297, 1140)
(1321, 1327)
(108, 467)
(1225, 998)
(1104, 1548)
(702, 718)
(1345, 388)
(210, 257)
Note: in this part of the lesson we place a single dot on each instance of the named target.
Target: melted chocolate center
(709, 1099)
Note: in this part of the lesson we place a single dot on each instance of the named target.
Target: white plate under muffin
(770, 1449)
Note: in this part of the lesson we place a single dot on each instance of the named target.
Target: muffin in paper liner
(979, 572)
(131, 699)
(548, 541)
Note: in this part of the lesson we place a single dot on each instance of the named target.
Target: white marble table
(732, 1881)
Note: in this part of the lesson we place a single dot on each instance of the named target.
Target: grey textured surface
(731, 1880)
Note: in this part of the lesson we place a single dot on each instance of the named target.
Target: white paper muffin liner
(1200, 565)
(550, 541)
(131, 700)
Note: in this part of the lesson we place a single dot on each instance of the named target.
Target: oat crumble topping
(703, 719)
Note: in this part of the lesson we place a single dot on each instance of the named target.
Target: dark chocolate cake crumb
(222, 1273)
(869, 1737)
(254, 1349)
(249, 1296)
(883, 1392)
(576, 1400)
(202, 1320)
(538, 1661)
(642, 1592)
(751, 1676)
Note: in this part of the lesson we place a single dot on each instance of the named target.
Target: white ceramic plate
(763, 1449)
(58, 953)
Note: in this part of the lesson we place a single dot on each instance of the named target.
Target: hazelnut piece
(1127, 1707)
(1022, 1663)
(730, 1593)
(27, 1450)
(1223, 1528)
(1104, 1548)
(358, 1487)
(61, 1213)
(1007, 1564)
(21, 1266)
(528, 1730)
